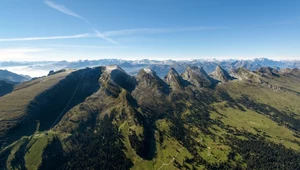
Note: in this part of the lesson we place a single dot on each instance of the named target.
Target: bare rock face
(148, 79)
(244, 74)
(296, 72)
(150, 87)
(268, 72)
(285, 71)
(290, 72)
(198, 77)
(221, 74)
(116, 75)
(174, 79)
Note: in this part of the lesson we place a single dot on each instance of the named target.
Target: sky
(37, 30)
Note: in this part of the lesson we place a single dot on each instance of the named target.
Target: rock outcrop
(221, 74)
(174, 79)
(198, 77)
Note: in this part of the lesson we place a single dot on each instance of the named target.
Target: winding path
(171, 161)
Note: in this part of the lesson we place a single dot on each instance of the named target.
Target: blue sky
(156, 29)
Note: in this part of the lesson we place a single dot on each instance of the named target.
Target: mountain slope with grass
(104, 118)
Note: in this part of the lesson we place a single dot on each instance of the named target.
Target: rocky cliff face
(147, 79)
(244, 74)
(175, 80)
(221, 75)
(268, 72)
(198, 77)
(116, 75)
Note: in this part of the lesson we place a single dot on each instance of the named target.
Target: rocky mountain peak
(147, 74)
(244, 74)
(198, 77)
(118, 76)
(148, 78)
(221, 74)
(289, 71)
(268, 71)
(174, 79)
(149, 71)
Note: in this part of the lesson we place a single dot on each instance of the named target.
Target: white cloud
(86, 35)
(97, 34)
(86, 46)
(67, 11)
(107, 34)
(100, 35)
(157, 30)
(64, 10)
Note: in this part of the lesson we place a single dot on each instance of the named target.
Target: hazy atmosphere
(64, 30)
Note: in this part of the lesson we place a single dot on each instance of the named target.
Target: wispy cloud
(64, 10)
(69, 12)
(86, 35)
(100, 35)
(86, 46)
(106, 35)
(157, 30)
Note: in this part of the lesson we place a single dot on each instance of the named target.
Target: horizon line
(190, 59)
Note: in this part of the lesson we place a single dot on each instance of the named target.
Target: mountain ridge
(201, 123)
(13, 77)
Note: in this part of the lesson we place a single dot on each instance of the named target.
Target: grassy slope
(24, 93)
(13, 107)
(34, 148)
(249, 120)
(257, 124)
(254, 122)
(280, 99)
(165, 152)
(216, 149)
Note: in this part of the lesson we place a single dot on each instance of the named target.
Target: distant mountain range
(132, 67)
(8, 80)
(13, 77)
